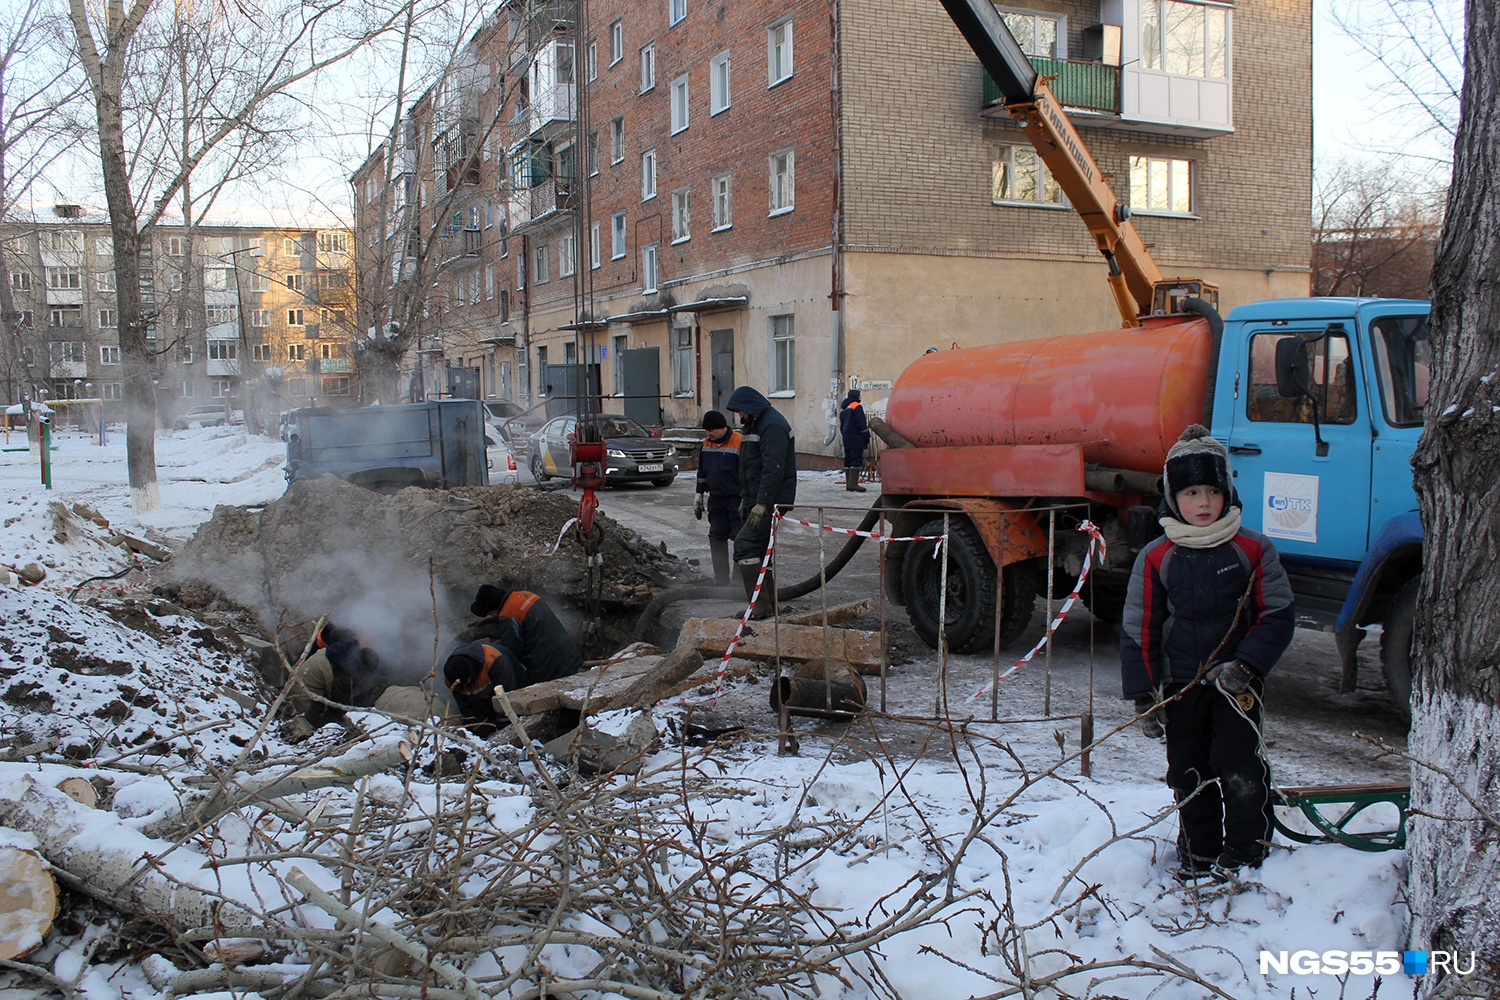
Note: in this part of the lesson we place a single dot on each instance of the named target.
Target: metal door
(643, 385)
(721, 350)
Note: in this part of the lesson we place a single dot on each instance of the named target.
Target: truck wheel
(1104, 596)
(537, 472)
(1395, 646)
(970, 609)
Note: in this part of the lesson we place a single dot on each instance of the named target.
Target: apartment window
(335, 385)
(540, 271)
(333, 243)
(64, 278)
(223, 350)
(174, 246)
(109, 355)
(473, 286)
(718, 83)
(457, 288)
(782, 170)
(187, 390)
(682, 361)
(185, 354)
(20, 281)
(1160, 184)
(260, 317)
(648, 268)
(104, 281)
(594, 246)
(327, 351)
(591, 61)
(778, 53)
(505, 305)
(680, 215)
(616, 41)
(333, 317)
(489, 282)
(219, 388)
(723, 205)
(591, 153)
(1037, 34)
(294, 281)
(332, 281)
(258, 282)
(291, 247)
(104, 246)
(216, 278)
(261, 352)
(648, 67)
(622, 344)
(296, 352)
(783, 353)
(616, 139)
(617, 236)
(679, 104)
(676, 10)
(294, 317)
(648, 175)
(1018, 175)
(541, 372)
(216, 315)
(521, 270)
(111, 390)
(67, 316)
(67, 351)
(109, 318)
(1185, 39)
(174, 281)
(566, 255)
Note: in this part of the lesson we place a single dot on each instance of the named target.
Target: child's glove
(1233, 678)
(699, 505)
(1153, 717)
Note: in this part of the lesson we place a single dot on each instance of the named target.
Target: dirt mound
(402, 568)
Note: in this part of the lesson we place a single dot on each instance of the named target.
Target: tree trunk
(1455, 866)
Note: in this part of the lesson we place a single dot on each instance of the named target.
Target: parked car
(501, 409)
(502, 460)
(207, 415)
(633, 454)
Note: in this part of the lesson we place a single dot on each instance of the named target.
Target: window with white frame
(64, 278)
(489, 282)
(648, 175)
(520, 270)
(333, 317)
(294, 318)
(104, 281)
(294, 281)
(187, 389)
(541, 269)
(217, 278)
(1185, 39)
(223, 350)
(111, 390)
(567, 255)
(718, 83)
(616, 41)
(595, 245)
(648, 67)
(335, 385)
(783, 332)
(1018, 176)
(62, 239)
(680, 217)
(616, 139)
(333, 243)
(1038, 34)
(778, 53)
(591, 61)
(328, 351)
(185, 354)
(1161, 184)
(216, 315)
(617, 236)
(591, 153)
(20, 281)
(109, 319)
(682, 361)
(676, 10)
(459, 289)
(174, 246)
(259, 282)
(291, 247)
(679, 104)
(260, 317)
(719, 187)
(296, 352)
(782, 168)
(621, 345)
(474, 286)
(67, 351)
(504, 305)
(219, 387)
(109, 354)
(261, 352)
(648, 268)
(174, 281)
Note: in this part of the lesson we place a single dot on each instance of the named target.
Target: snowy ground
(1049, 874)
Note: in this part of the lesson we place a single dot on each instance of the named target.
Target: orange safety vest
(517, 604)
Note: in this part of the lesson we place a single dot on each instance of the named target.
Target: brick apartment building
(660, 200)
(258, 316)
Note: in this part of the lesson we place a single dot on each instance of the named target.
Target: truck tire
(1104, 596)
(971, 590)
(1395, 646)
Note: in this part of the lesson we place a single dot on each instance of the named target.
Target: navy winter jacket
(719, 466)
(768, 450)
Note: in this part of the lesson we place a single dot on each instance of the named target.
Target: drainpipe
(836, 276)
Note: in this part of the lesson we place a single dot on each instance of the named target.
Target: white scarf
(1193, 537)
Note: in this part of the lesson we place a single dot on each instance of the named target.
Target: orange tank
(1124, 395)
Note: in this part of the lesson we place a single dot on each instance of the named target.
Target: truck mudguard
(1399, 533)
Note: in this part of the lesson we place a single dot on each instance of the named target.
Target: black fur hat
(1197, 459)
(487, 600)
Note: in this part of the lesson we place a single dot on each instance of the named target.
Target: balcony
(65, 296)
(221, 368)
(334, 366)
(68, 369)
(550, 108)
(548, 201)
(1078, 83)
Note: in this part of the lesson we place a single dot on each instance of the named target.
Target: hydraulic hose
(709, 592)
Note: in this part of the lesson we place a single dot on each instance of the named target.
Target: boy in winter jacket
(1207, 615)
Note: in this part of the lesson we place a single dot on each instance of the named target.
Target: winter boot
(718, 549)
(749, 570)
(851, 481)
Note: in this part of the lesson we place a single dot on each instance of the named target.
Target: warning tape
(1096, 540)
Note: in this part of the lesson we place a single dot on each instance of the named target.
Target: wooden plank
(766, 640)
(599, 684)
(839, 614)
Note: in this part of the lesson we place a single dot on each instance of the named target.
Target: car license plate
(651, 467)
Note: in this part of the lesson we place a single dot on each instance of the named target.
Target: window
(682, 361)
(616, 139)
(174, 282)
(64, 278)
(187, 390)
(783, 354)
(223, 350)
(648, 175)
(67, 316)
(648, 268)
(219, 387)
(680, 215)
(782, 167)
(66, 239)
(591, 153)
(291, 247)
(1037, 34)
(718, 83)
(778, 53)
(174, 246)
(1185, 39)
(67, 352)
(541, 372)
(505, 305)
(185, 354)
(567, 255)
(459, 291)
(294, 317)
(258, 282)
(679, 104)
(648, 67)
(216, 315)
(104, 246)
(294, 281)
(335, 385)
(333, 243)
(1403, 366)
(332, 281)
(333, 317)
(216, 278)
(104, 281)
(473, 286)
(540, 271)
(1017, 174)
(296, 352)
(594, 246)
(327, 351)
(591, 61)
(108, 318)
(520, 270)
(260, 317)
(676, 10)
(261, 352)
(20, 281)
(1158, 184)
(489, 282)
(616, 41)
(617, 236)
(27, 318)
(723, 205)
(622, 344)
(109, 355)
(1330, 378)
(111, 390)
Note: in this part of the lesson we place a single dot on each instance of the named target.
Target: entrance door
(643, 385)
(721, 351)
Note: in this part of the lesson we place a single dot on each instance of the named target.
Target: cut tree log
(839, 614)
(28, 904)
(793, 643)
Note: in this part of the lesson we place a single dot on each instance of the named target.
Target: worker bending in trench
(339, 673)
(518, 641)
(719, 489)
(768, 477)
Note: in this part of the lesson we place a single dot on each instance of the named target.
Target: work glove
(699, 505)
(1232, 678)
(1153, 717)
(756, 516)
(297, 730)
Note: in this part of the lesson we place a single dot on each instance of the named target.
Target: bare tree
(249, 63)
(1455, 870)
(1374, 231)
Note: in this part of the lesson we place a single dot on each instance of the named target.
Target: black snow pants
(1215, 751)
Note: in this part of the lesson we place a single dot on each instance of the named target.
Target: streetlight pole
(255, 251)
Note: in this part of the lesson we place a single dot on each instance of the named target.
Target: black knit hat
(713, 420)
(461, 669)
(488, 599)
(1197, 459)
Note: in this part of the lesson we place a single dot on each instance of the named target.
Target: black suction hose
(708, 592)
(1202, 308)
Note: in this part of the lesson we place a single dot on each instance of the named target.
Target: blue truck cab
(1321, 433)
(439, 444)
